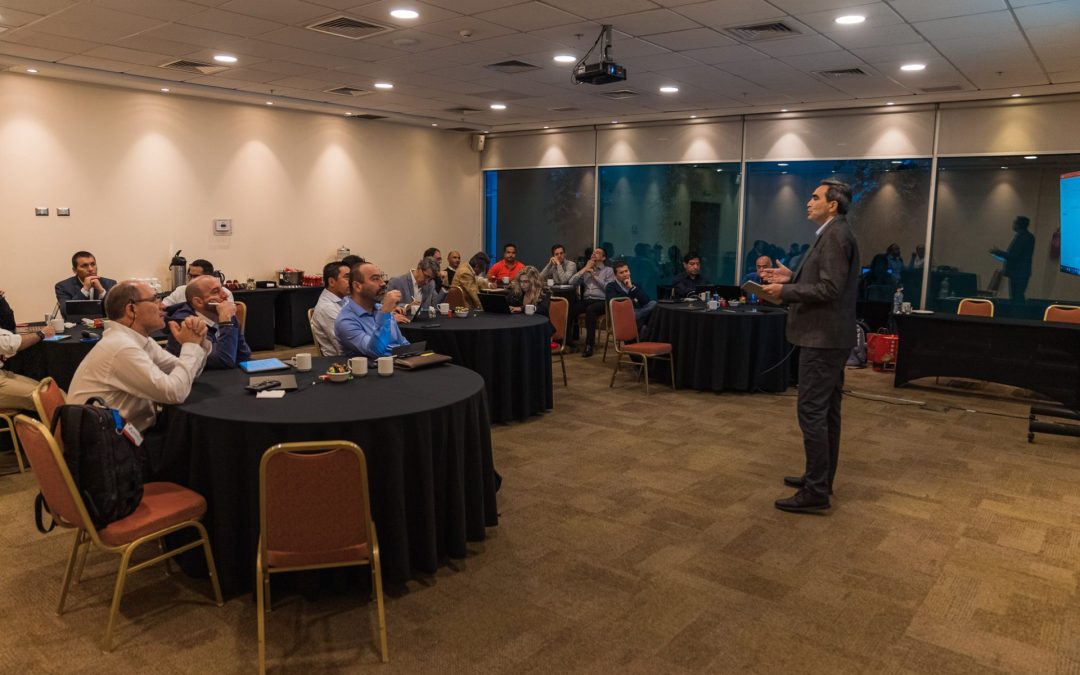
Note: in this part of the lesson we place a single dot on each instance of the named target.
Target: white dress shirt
(322, 322)
(178, 295)
(9, 344)
(133, 374)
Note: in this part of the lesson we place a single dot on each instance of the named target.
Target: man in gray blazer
(821, 321)
(417, 287)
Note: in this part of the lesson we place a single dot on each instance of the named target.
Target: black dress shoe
(587, 352)
(802, 502)
(798, 482)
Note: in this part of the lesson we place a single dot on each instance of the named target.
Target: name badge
(132, 434)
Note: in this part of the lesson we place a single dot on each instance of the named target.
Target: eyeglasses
(150, 299)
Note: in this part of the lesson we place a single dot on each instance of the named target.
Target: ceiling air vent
(512, 66)
(942, 89)
(194, 67)
(368, 116)
(347, 91)
(842, 73)
(762, 31)
(348, 27)
(619, 94)
(463, 111)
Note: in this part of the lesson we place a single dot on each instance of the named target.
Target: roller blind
(857, 136)
(1010, 127)
(671, 144)
(574, 148)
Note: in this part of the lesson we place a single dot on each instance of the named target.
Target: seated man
(453, 260)
(196, 269)
(559, 269)
(594, 277)
(417, 288)
(762, 263)
(686, 282)
(365, 327)
(132, 373)
(623, 287)
(441, 281)
(206, 301)
(17, 391)
(470, 278)
(85, 284)
(508, 267)
(334, 296)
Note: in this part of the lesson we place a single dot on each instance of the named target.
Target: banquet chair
(165, 508)
(241, 313)
(7, 417)
(47, 398)
(624, 326)
(558, 311)
(1062, 313)
(298, 533)
(975, 307)
(455, 297)
(311, 325)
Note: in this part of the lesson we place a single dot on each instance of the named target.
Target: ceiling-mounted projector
(606, 70)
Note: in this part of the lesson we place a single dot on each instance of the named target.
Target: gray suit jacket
(429, 297)
(821, 294)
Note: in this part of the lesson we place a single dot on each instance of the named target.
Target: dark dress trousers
(821, 322)
(1018, 264)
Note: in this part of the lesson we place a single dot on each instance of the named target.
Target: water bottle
(753, 302)
(716, 299)
(897, 299)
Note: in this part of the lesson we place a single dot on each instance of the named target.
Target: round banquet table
(425, 435)
(512, 352)
(724, 350)
(58, 360)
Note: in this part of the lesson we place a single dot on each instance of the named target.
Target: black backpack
(105, 465)
(857, 357)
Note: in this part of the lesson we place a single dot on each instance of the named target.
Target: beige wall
(144, 175)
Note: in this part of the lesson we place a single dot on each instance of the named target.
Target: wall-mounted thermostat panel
(222, 226)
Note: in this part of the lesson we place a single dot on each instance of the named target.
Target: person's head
(762, 263)
(1021, 223)
(434, 253)
(479, 262)
(453, 259)
(203, 293)
(558, 251)
(622, 272)
(367, 284)
(691, 262)
(599, 255)
(84, 264)
(893, 250)
(528, 284)
(831, 198)
(134, 304)
(426, 270)
(199, 267)
(352, 261)
(335, 278)
(509, 254)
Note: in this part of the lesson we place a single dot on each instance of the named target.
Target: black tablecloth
(425, 435)
(723, 349)
(1036, 355)
(57, 360)
(512, 352)
(259, 322)
(291, 327)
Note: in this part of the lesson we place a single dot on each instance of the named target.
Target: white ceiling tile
(96, 63)
(897, 53)
(180, 33)
(827, 61)
(869, 87)
(595, 9)
(471, 6)
(1027, 3)
(519, 43)
(159, 73)
(808, 6)
(477, 29)
(651, 22)
(1064, 13)
(30, 52)
(151, 43)
(920, 10)
(423, 41)
(722, 13)
(469, 53)
(230, 23)
(165, 10)
(14, 17)
(529, 16)
(27, 36)
(807, 44)
(877, 14)
(380, 13)
(1065, 76)
(1016, 77)
(655, 62)
(727, 54)
(973, 50)
(973, 26)
(293, 12)
(626, 47)
(697, 38)
(895, 34)
(94, 23)
(252, 75)
(132, 56)
(42, 7)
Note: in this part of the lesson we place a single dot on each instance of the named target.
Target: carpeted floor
(638, 535)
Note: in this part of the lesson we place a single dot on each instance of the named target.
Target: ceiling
(438, 61)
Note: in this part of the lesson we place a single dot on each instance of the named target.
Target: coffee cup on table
(713, 305)
(444, 308)
(57, 325)
(505, 281)
(530, 309)
(550, 282)
(359, 366)
(302, 362)
(386, 366)
(905, 308)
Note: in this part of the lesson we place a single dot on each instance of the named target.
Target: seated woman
(470, 279)
(528, 289)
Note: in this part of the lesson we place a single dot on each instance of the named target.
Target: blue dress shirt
(364, 333)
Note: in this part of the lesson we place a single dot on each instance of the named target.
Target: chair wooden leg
(616, 371)
(260, 603)
(562, 362)
(14, 442)
(607, 340)
(645, 367)
(80, 565)
(76, 544)
(376, 568)
(671, 365)
(121, 578)
(210, 566)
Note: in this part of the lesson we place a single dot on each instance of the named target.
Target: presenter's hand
(771, 292)
(390, 301)
(776, 275)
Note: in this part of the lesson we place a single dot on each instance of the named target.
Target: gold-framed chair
(165, 508)
(47, 398)
(1062, 313)
(311, 325)
(241, 313)
(975, 307)
(298, 533)
(7, 416)
(558, 313)
(624, 325)
(455, 297)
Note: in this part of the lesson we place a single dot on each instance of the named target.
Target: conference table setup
(425, 435)
(278, 315)
(739, 348)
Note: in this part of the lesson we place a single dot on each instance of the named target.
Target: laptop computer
(80, 308)
(411, 349)
(288, 382)
(495, 303)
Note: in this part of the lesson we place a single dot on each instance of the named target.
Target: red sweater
(501, 269)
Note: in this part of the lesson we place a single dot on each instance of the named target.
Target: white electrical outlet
(41, 210)
(223, 226)
(63, 211)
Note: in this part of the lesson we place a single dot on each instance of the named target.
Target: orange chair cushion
(648, 348)
(163, 505)
(356, 553)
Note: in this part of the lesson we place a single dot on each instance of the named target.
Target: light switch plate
(41, 210)
(63, 211)
(223, 226)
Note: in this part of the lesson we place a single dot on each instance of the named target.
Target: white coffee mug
(444, 308)
(386, 366)
(713, 304)
(359, 366)
(905, 308)
(551, 282)
(57, 325)
(704, 296)
(506, 281)
(530, 309)
(411, 310)
(303, 362)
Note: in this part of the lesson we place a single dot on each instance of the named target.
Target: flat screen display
(1070, 223)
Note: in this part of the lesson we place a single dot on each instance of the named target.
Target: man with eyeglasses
(368, 323)
(133, 374)
(418, 287)
(85, 284)
(196, 269)
(206, 301)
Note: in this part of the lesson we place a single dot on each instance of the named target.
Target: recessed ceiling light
(269, 103)
(31, 70)
(890, 103)
(1031, 156)
(850, 19)
(668, 89)
(404, 13)
(434, 124)
(693, 117)
(384, 85)
(719, 171)
(784, 172)
(1004, 167)
(224, 58)
(614, 121)
(165, 89)
(565, 58)
(547, 127)
(348, 114)
(782, 164)
(897, 161)
(1016, 95)
(783, 109)
(498, 106)
(911, 67)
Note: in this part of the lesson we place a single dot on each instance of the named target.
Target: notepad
(263, 365)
